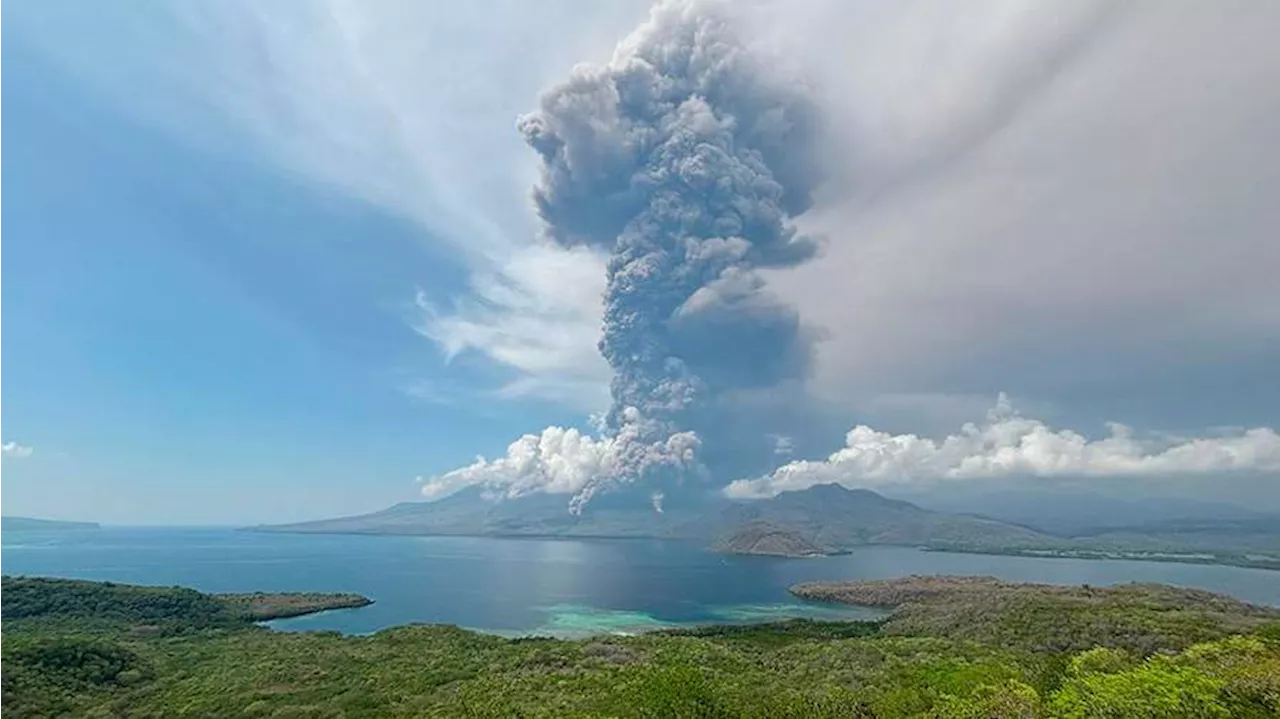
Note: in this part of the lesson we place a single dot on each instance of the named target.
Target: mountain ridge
(18, 523)
(820, 519)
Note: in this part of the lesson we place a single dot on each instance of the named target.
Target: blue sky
(274, 262)
(203, 336)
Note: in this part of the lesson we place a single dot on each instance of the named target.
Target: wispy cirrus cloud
(538, 313)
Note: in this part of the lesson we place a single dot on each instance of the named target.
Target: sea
(553, 587)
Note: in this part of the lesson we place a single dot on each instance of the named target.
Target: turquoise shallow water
(577, 620)
(541, 586)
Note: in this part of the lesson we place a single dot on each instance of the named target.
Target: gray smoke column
(684, 158)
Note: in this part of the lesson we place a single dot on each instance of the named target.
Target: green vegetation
(1141, 618)
(112, 605)
(75, 649)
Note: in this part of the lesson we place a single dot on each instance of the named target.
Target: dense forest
(951, 648)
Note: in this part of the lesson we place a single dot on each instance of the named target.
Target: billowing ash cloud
(17, 451)
(1007, 445)
(684, 159)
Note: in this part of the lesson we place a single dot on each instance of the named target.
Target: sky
(285, 261)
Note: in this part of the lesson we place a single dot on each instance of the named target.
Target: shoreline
(1102, 555)
(1170, 557)
(270, 606)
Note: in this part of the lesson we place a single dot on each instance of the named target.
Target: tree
(1157, 689)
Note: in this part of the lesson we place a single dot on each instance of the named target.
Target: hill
(766, 538)
(32, 523)
(825, 518)
(1076, 512)
(833, 516)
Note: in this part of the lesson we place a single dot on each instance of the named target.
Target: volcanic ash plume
(683, 158)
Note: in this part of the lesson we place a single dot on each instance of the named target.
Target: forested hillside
(80, 649)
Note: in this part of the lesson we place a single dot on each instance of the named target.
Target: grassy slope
(92, 663)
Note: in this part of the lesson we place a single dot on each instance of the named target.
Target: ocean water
(561, 587)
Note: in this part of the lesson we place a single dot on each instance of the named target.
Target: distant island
(766, 538)
(952, 648)
(32, 523)
(824, 519)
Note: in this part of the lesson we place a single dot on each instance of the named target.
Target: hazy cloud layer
(1009, 445)
(15, 450)
(1073, 201)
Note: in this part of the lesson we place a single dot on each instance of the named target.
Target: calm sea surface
(549, 586)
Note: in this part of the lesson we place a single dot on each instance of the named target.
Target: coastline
(1197, 558)
(1200, 558)
(267, 606)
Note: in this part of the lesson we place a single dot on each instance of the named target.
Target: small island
(769, 539)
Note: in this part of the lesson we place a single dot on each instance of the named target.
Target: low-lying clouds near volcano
(1008, 444)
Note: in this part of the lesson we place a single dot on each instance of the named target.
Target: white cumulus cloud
(559, 460)
(17, 451)
(1008, 444)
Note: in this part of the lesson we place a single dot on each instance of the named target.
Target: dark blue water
(563, 587)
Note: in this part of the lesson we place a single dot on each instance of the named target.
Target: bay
(562, 587)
